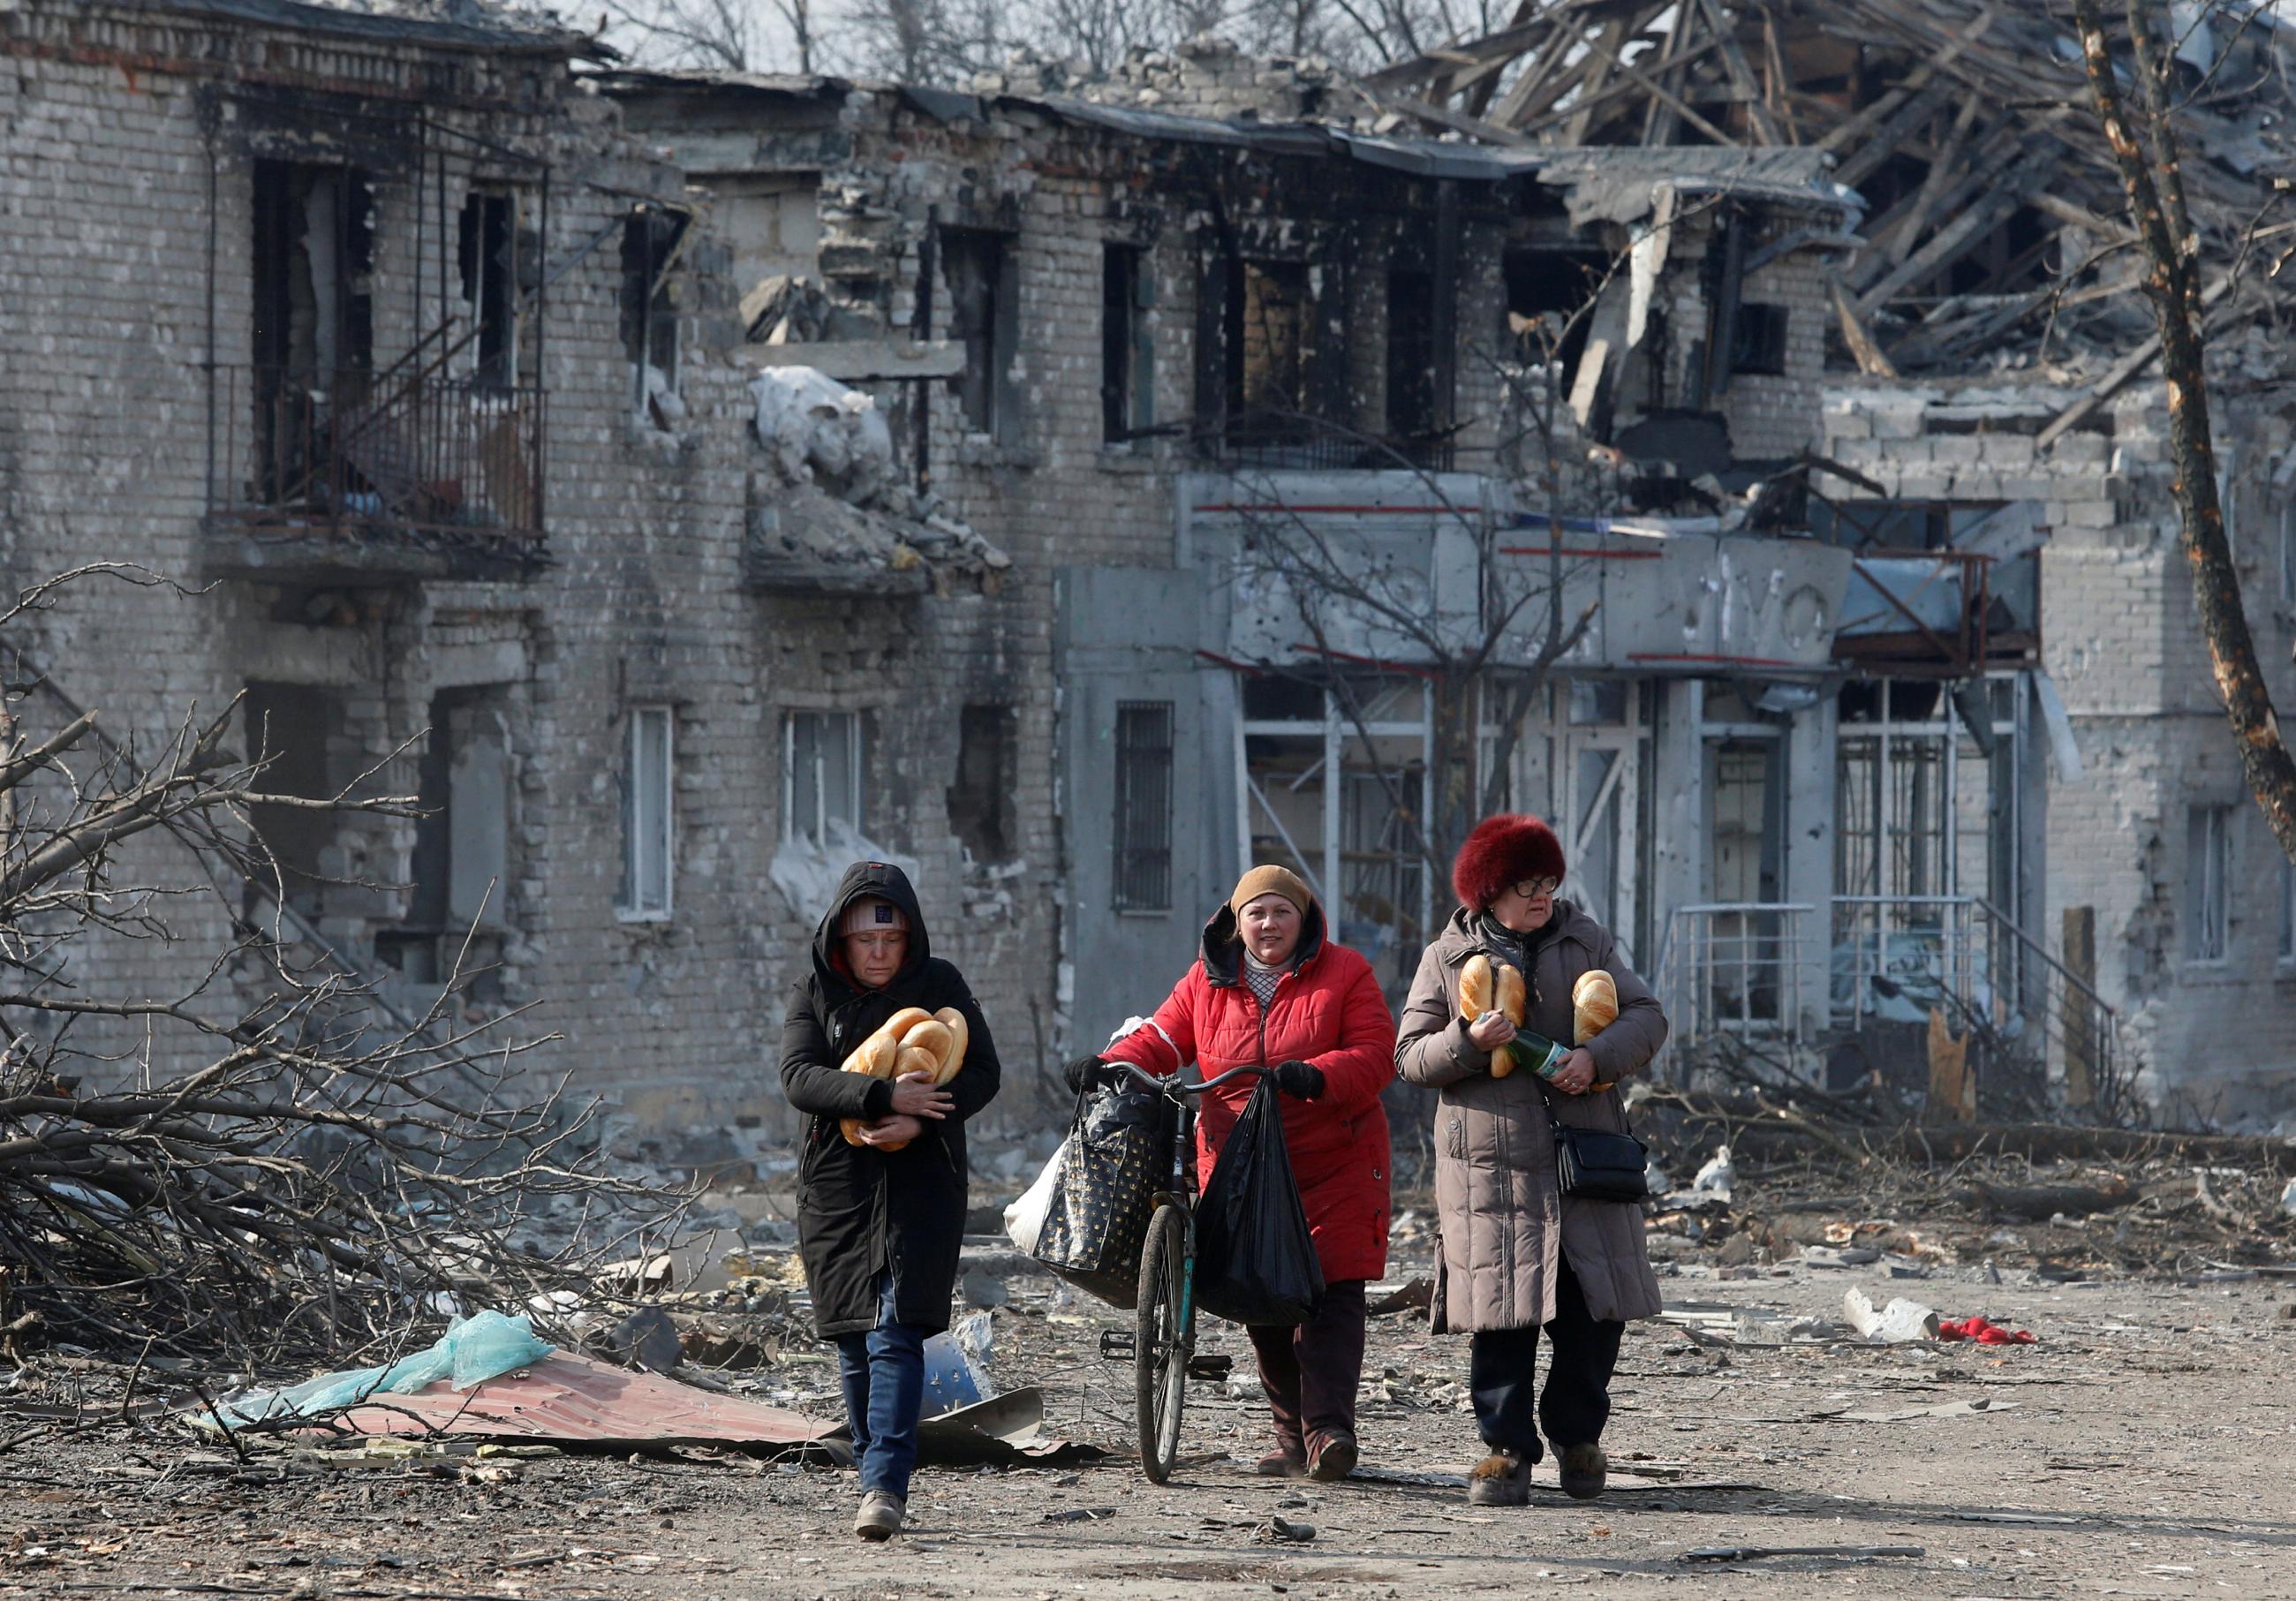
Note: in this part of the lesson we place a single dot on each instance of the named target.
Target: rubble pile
(830, 494)
(1993, 227)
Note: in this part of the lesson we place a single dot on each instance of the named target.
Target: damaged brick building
(737, 474)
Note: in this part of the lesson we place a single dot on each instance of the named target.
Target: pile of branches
(266, 1163)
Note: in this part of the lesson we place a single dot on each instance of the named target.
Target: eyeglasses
(1531, 889)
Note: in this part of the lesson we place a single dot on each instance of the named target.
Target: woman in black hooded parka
(880, 1230)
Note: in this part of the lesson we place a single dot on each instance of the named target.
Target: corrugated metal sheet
(567, 1399)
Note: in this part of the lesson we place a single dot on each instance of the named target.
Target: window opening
(2208, 884)
(1127, 386)
(293, 725)
(980, 801)
(983, 285)
(1142, 834)
(487, 251)
(822, 777)
(312, 335)
(648, 813)
(652, 240)
(1411, 400)
(1757, 340)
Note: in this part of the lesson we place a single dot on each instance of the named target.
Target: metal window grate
(1143, 805)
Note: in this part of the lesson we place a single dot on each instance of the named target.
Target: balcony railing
(413, 451)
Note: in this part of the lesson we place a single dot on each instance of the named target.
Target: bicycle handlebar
(1169, 1084)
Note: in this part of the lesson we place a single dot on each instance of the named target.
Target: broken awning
(571, 1400)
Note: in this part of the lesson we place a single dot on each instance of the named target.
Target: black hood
(878, 880)
(1224, 947)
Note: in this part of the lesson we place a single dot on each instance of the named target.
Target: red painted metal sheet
(567, 1397)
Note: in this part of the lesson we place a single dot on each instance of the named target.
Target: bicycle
(1162, 1344)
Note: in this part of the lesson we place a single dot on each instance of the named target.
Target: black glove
(1086, 1072)
(1301, 1079)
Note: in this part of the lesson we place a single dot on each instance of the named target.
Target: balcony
(409, 473)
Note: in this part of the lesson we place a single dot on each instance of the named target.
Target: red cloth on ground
(1975, 1327)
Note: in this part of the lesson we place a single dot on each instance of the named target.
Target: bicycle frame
(1178, 1193)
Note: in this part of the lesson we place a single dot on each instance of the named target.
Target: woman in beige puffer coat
(1516, 1255)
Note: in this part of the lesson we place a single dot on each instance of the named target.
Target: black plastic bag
(1255, 1258)
(1118, 1155)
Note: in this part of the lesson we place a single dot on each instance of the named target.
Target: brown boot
(1331, 1456)
(1284, 1462)
(1501, 1479)
(1583, 1467)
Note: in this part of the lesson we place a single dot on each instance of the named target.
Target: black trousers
(1311, 1373)
(1576, 1404)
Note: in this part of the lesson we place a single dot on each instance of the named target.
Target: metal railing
(1732, 968)
(1899, 957)
(413, 448)
(1733, 972)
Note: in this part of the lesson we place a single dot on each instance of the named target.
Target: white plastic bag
(1024, 1219)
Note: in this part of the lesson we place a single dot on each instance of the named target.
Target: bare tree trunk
(2144, 145)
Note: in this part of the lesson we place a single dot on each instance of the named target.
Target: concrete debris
(815, 428)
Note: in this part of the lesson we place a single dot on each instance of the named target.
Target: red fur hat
(1503, 850)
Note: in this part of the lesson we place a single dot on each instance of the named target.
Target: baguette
(1513, 999)
(960, 1036)
(1594, 1004)
(901, 1022)
(1476, 990)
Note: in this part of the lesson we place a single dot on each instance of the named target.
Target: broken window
(983, 278)
(980, 802)
(648, 814)
(1552, 288)
(312, 336)
(487, 249)
(1892, 817)
(291, 727)
(1127, 371)
(651, 237)
(821, 787)
(2208, 884)
(460, 866)
(1143, 835)
(1757, 340)
(1269, 360)
(1411, 354)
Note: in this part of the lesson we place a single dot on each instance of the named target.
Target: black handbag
(1118, 1155)
(1595, 1164)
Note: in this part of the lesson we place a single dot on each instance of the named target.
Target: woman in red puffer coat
(1272, 990)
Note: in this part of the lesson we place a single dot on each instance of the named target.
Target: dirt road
(2145, 1448)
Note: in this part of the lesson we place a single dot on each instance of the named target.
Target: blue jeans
(884, 1374)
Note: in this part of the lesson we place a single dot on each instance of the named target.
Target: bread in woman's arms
(901, 1022)
(951, 1056)
(1477, 991)
(1594, 1004)
(1514, 999)
(875, 1055)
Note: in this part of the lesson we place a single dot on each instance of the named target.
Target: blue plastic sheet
(472, 1351)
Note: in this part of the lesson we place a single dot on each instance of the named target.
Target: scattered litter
(2288, 1199)
(2052, 1518)
(1417, 1292)
(1081, 1514)
(1846, 1256)
(1977, 1328)
(1283, 1530)
(1900, 1323)
(570, 1397)
(1755, 1553)
(472, 1351)
(1718, 1177)
(1959, 1408)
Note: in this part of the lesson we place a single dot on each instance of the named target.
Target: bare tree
(2140, 129)
(264, 1162)
(721, 35)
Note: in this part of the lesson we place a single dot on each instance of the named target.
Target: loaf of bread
(1594, 1004)
(912, 1040)
(1489, 985)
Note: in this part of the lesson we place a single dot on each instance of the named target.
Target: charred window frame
(653, 236)
(1412, 412)
(1127, 349)
(983, 274)
(2208, 884)
(313, 264)
(1143, 832)
(1757, 340)
(485, 248)
(649, 815)
(1546, 282)
(980, 801)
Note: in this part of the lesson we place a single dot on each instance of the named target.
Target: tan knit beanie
(870, 914)
(1270, 879)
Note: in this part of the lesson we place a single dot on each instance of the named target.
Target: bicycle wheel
(1160, 1352)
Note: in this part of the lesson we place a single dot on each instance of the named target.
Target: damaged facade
(1078, 490)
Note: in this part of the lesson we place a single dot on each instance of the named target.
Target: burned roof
(1994, 210)
(477, 24)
